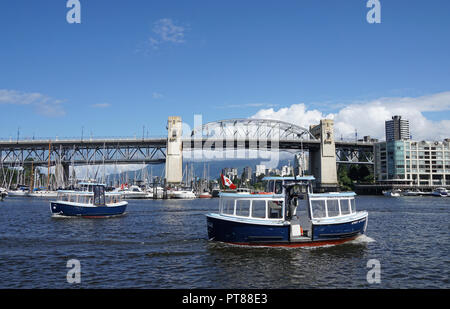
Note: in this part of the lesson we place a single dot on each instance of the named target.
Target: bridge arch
(250, 128)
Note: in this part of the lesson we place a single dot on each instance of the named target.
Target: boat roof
(255, 195)
(91, 184)
(310, 178)
(333, 194)
(85, 192)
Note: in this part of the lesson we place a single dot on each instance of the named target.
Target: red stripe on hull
(298, 244)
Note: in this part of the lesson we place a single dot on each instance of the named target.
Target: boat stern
(323, 230)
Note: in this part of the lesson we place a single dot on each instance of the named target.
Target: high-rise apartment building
(397, 129)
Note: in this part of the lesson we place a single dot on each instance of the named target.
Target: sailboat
(182, 192)
(204, 191)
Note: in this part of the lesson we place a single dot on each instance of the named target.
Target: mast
(31, 177)
(48, 166)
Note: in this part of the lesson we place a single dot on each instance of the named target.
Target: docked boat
(413, 193)
(440, 192)
(182, 194)
(3, 193)
(243, 191)
(20, 191)
(294, 216)
(39, 192)
(134, 192)
(392, 193)
(95, 204)
(205, 194)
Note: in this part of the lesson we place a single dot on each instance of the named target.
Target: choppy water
(163, 244)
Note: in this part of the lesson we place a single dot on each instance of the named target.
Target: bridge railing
(80, 138)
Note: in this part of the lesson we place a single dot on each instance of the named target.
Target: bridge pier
(174, 152)
(62, 174)
(322, 161)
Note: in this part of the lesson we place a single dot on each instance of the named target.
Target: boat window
(258, 209)
(352, 205)
(345, 207)
(228, 207)
(318, 208)
(243, 208)
(278, 187)
(269, 186)
(99, 195)
(275, 209)
(333, 207)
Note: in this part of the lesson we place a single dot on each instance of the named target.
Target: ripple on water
(163, 244)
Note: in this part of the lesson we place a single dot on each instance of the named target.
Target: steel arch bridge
(223, 134)
(250, 128)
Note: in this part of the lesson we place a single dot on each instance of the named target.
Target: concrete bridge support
(174, 152)
(323, 160)
(62, 175)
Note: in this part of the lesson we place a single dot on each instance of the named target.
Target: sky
(130, 64)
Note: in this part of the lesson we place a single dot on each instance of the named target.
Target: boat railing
(253, 207)
(331, 205)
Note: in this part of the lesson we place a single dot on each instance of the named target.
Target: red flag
(227, 182)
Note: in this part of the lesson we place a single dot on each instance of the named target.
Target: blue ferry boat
(289, 214)
(88, 204)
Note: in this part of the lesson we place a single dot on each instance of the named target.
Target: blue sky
(131, 64)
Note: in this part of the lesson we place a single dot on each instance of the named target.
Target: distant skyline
(130, 64)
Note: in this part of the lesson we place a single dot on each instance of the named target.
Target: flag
(226, 182)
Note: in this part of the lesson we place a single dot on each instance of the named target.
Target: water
(163, 244)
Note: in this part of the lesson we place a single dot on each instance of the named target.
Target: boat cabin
(277, 184)
(252, 206)
(332, 205)
(97, 196)
(286, 198)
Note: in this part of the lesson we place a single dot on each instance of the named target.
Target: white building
(260, 170)
(287, 171)
(418, 162)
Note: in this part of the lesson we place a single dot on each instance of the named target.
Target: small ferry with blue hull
(288, 214)
(88, 204)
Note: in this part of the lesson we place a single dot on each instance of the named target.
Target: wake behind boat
(289, 214)
(95, 204)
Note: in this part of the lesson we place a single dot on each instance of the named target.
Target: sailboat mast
(48, 166)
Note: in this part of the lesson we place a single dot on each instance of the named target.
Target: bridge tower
(174, 153)
(323, 160)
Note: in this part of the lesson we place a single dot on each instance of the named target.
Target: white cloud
(296, 114)
(369, 117)
(43, 104)
(165, 31)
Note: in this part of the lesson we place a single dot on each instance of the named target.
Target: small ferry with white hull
(289, 214)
